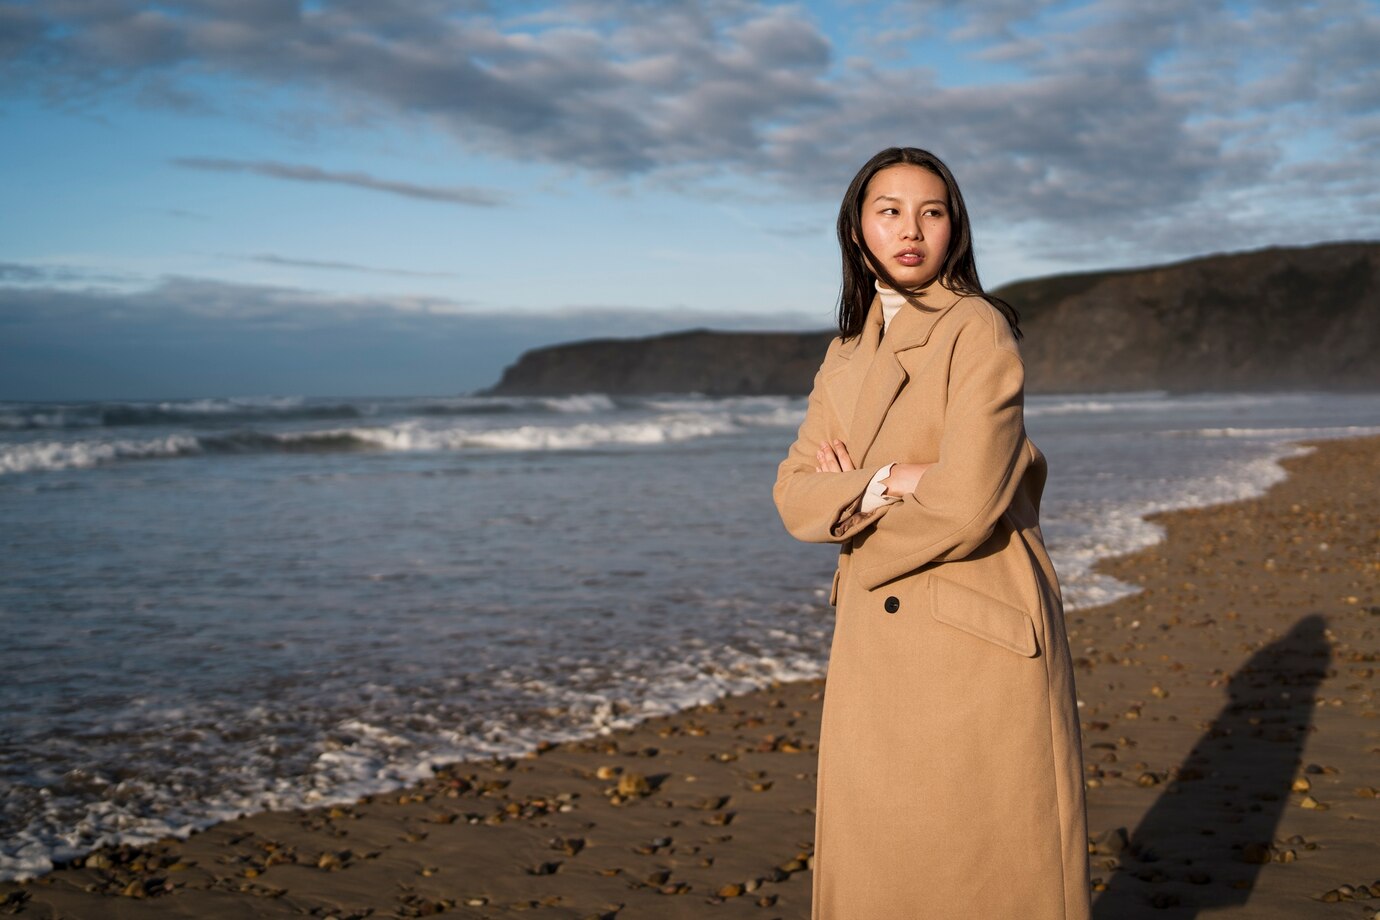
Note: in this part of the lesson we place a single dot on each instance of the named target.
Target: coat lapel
(865, 385)
(845, 382)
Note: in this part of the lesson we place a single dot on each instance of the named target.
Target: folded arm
(982, 457)
(812, 500)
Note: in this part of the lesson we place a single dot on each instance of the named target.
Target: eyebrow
(894, 198)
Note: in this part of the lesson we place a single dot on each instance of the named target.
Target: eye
(934, 212)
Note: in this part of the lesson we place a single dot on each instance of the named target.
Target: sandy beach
(1231, 749)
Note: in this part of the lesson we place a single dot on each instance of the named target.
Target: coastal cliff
(1279, 318)
(696, 361)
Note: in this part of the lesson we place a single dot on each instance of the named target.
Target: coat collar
(910, 327)
(870, 378)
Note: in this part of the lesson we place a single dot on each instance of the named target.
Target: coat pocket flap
(982, 615)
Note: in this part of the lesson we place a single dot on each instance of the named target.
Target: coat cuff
(864, 510)
(874, 496)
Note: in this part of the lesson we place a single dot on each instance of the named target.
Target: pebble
(633, 784)
(570, 846)
(1113, 842)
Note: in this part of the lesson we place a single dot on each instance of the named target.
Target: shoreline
(1249, 482)
(714, 803)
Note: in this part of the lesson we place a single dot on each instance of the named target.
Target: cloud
(1108, 121)
(30, 273)
(14, 271)
(175, 300)
(182, 214)
(298, 173)
(194, 336)
(270, 259)
(616, 87)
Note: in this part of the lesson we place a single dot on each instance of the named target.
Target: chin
(911, 280)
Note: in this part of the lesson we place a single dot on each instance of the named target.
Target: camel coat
(950, 772)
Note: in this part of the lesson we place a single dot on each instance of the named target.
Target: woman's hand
(905, 477)
(832, 457)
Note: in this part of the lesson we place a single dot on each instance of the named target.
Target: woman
(950, 772)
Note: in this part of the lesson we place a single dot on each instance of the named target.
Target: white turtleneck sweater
(875, 495)
(892, 302)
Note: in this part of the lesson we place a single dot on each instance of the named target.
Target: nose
(913, 229)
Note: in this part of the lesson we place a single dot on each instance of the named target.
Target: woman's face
(905, 223)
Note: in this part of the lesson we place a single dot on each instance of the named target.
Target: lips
(910, 257)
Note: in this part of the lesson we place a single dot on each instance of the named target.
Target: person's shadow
(1201, 846)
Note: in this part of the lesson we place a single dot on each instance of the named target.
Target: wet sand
(1231, 748)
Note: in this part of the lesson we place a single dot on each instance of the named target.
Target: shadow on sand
(1203, 843)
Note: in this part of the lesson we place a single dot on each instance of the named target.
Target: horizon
(478, 390)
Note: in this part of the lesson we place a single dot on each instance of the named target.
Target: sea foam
(412, 435)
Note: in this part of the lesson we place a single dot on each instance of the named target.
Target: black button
(892, 604)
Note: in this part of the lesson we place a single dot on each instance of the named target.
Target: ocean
(220, 606)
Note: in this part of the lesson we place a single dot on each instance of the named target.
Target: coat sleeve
(812, 504)
(982, 457)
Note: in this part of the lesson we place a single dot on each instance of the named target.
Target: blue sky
(244, 197)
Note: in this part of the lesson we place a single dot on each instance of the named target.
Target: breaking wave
(407, 436)
(251, 410)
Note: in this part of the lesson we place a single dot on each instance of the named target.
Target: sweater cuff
(875, 495)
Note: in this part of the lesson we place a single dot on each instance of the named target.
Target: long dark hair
(958, 273)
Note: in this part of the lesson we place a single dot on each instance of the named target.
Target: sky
(380, 197)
